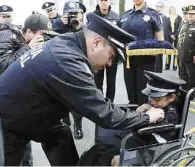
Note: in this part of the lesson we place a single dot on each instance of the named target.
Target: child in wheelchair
(162, 91)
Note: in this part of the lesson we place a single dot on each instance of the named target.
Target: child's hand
(143, 107)
(115, 161)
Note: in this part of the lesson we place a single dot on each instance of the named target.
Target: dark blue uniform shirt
(141, 23)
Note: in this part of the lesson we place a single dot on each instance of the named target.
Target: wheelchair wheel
(173, 157)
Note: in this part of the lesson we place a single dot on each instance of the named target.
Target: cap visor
(153, 94)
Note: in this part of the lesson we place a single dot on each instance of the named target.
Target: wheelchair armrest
(130, 106)
(158, 128)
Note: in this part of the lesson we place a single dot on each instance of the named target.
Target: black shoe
(78, 132)
(174, 68)
(27, 163)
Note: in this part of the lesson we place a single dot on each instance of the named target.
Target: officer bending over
(41, 87)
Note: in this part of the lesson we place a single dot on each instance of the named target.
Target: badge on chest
(146, 18)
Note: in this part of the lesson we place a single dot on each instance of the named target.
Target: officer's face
(161, 102)
(104, 4)
(100, 54)
(185, 16)
(138, 2)
(172, 10)
(159, 7)
(5, 18)
(191, 17)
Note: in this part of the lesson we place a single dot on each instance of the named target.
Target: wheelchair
(177, 152)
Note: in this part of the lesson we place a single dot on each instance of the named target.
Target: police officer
(41, 87)
(49, 8)
(6, 13)
(144, 23)
(103, 9)
(72, 19)
(186, 49)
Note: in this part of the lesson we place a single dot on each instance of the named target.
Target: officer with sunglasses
(6, 13)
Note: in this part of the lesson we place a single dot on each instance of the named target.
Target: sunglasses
(104, 0)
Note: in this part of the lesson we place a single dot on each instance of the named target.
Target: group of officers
(41, 87)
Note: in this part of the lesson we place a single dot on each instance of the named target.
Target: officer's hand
(173, 37)
(115, 161)
(64, 19)
(37, 40)
(143, 107)
(156, 114)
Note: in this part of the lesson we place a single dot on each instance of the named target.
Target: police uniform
(43, 85)
(143, 24)
(158, 85)
(186, 50)
(5, 10)
(69, 7)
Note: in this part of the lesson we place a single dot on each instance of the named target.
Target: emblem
(46, 4)
(72, 5)
(190, 7)
(146, 18)
(123, 20)
(4, 8)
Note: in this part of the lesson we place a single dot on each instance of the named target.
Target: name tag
(123, 20)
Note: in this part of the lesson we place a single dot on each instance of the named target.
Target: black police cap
(191, 9)
(109, 31)
(161, 84)
(5, 9)
(47, 5)
(73, 6)
(185, 9)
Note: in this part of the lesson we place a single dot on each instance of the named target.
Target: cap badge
(190, 7)
(146, 18)
(72, 5)
(46, 4)
(4, 8)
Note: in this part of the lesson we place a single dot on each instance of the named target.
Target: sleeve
(8, 55)
(58, 25)
(157, 22)
(74, 85)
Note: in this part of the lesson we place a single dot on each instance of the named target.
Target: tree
(121, 6)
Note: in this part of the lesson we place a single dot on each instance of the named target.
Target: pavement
(89, 127)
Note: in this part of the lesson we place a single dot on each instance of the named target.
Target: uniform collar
(98, 11)
(82, 41)
(143, 9)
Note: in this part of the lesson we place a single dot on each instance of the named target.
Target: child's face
(161, 102)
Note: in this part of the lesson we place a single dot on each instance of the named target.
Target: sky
(23, 8)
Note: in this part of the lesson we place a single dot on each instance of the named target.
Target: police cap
(73, 6)
(161, 84)
(185, 9)
(191, 9)
(109, 31)
(5, 9)
(48, 6)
